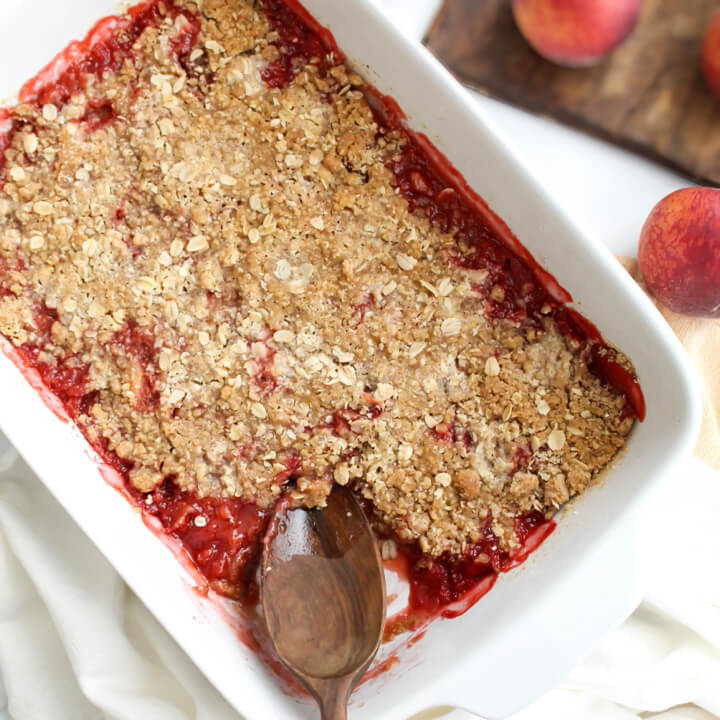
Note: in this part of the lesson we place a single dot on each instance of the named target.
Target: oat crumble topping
(233, 275)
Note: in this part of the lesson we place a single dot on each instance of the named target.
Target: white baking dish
(537, 620)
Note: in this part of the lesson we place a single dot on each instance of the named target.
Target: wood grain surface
(648, 96)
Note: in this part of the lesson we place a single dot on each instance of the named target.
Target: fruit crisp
(245, 277)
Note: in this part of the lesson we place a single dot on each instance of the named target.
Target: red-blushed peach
(679, 251)
(575, 32)
(710, 55)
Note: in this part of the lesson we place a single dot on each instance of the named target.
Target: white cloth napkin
(76, 644)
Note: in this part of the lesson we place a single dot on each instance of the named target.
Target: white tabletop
(608, 191)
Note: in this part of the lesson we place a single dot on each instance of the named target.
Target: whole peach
(710, 54)
(679, 251)
(575, 32)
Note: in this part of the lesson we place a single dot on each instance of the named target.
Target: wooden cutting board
(648, 95)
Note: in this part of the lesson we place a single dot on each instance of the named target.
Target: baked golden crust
(256, 305)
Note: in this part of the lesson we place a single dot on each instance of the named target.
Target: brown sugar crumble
(229, 277)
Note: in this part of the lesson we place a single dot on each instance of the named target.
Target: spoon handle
(336, 710)
(333, 699)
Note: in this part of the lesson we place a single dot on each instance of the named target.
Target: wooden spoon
(323, 596)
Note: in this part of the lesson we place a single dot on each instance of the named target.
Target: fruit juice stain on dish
(34, 378)
(447, 586)
(380, 668)
(104, 49)
(220, 534)
(527, 293)
(302, 40)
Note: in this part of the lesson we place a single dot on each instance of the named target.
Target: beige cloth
(701, 339)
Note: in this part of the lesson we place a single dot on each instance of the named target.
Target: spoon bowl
(323, 596)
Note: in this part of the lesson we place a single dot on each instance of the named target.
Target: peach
(575, 32)
(710, 55)
(679, 251)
